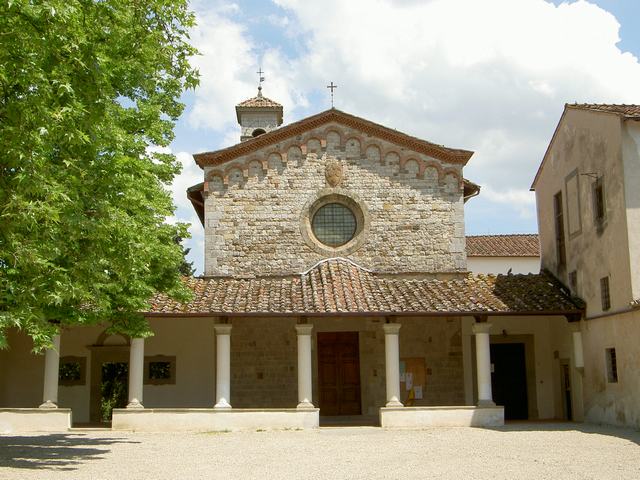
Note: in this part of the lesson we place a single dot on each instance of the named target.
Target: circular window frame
(325, 197)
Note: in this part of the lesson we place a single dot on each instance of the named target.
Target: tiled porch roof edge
(338, 287)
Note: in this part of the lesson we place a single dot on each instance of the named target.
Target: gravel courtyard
(521, 451)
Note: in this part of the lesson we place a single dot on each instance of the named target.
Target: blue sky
(490, 76)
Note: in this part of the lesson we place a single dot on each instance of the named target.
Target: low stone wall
(210, 420)
(20, 420)
(463, 416)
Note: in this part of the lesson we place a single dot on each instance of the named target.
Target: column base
(486, 403)
(135, 404)
(394, 403)
(222, 404)
(303, 405)
(48, 405)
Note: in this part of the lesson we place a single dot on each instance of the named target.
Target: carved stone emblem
(333, 173)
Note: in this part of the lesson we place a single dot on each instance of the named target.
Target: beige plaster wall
(412, 205)
(589, 143)
(612, 403)
(502, 265)
(21, 373)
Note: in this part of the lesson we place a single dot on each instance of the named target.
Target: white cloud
(227, 63)
(490, 76)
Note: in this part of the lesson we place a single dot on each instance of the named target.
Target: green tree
(86, 86)
(186, 268)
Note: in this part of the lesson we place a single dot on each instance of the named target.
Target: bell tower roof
(259, 104)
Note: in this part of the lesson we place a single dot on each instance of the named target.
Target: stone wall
(257, 208)
(264, 360)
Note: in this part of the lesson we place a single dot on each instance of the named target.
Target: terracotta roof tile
(259, 101)
(340, 286)
(630, 111)
(513, 245)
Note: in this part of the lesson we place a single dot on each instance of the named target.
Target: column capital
(304, 328)
(575, 327)
(222, 328)
(483, 327)
(391, 328)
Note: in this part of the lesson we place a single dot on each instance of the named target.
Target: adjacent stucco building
(588, 200)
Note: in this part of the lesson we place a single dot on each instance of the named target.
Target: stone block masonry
(257, 207)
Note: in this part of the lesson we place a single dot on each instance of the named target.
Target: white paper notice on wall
(417, 391)
(409, 380)
(403, 377)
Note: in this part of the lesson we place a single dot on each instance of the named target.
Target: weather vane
(260, 77)
(332, 87)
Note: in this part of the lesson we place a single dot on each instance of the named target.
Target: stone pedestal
(392, 357)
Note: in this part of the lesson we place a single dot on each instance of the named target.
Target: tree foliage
(86, 87)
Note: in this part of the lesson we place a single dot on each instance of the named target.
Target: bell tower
(258, 115)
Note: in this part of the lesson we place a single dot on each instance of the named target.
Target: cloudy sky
(490, 76)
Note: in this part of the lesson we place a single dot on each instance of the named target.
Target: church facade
(336, 289)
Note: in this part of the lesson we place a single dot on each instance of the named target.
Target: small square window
(604, 294)
(612, 365)
(71, 371)
(160, 370)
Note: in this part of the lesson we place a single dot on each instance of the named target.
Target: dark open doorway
(114, 388)
(565, 388)
(509, 379)
(109, 382)
(339, 373)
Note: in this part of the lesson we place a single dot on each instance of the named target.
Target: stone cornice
(439, 152)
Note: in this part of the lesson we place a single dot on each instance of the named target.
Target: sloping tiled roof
(259, 101)
(340, 286)
(440, 152)
(514, 245)
(629, 111)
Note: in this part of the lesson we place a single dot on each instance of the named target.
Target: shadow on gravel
(55, 451)
(620, 432)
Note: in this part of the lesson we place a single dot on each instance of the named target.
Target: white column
(578, 353)
(136, 373)
(483, 364)
(223, 365)
(304, 366)
(51, 372)
(392, 357)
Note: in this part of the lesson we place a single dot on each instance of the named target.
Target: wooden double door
(339, 373)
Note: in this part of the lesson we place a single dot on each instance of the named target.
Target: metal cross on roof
(332, 87)
(260, 77)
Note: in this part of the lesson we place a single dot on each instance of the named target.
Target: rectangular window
(160, 370)
(604, 293)
(573, 281)
(612, 365)
(559, 222)
(599, 205)
(72, 371)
